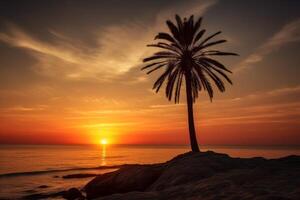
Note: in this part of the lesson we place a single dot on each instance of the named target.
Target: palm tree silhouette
(186, 55)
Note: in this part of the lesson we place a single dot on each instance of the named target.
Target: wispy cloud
(18, 38)
(25, 109)
(288, 34)
(115, 124)
(118, 48)
(167, 105)
(286, 90)
(272, 106)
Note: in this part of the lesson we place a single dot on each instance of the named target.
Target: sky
(70, 73)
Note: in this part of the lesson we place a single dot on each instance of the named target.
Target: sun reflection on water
(103, 156)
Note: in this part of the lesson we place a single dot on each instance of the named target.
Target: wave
(31, 173)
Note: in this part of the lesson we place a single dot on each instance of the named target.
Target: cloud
(285, 91)
(115, 124)
(25, 109)
(60, 57)
(118, 48)
(18, 38)
(167, 105)
(195, 7)
(288, 34)
(278, 105)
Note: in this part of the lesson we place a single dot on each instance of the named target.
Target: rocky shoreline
(204, 175)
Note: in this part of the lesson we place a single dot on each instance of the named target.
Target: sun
(103, 141)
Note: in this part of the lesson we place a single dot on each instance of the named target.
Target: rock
(79, 176)
(44, 195)
(191, 167)
(127, 178)
(203, 175)
(43, 186)
(30, 191)
(73, 194)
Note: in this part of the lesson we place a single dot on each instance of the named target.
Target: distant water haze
(27, 158)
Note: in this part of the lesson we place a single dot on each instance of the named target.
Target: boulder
(127, 178)
(73, 194)
(43, 186)
(202, 175)
(69, 176)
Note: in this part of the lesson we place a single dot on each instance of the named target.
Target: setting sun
(103, 141)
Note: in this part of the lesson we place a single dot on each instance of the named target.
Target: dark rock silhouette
(44, 195)
(202, 175)
(43, 186)
(127, 178)
(78, 176)
(73, 194)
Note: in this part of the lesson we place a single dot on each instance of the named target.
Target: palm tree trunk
(189, 98)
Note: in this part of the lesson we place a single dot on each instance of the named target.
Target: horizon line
(155, 144)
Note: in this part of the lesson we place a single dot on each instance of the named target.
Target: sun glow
(103, 141)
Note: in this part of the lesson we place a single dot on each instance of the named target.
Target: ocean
(31, 169)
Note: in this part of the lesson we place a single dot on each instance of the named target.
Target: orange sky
(61, 84)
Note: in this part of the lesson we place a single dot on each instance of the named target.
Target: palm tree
(186, 55)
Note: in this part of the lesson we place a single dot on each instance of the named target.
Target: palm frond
(152, 64)
(165, 46)
(210, 37)
(170, 83)
(217, 53)
(199, 35)
(178, 87)
(179, 24)
(156, 57)
(198, 48)
(208, 66)
(175, 32)
(159, 82)
(185, 54)
(156, 68)
(218, 82)
(165, 36)
(197, 25)
(214, 62)
(165, 53)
